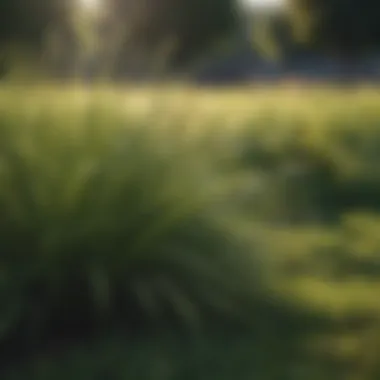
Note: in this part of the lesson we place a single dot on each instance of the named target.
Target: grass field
(184, 233)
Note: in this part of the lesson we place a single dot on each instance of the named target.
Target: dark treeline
(167, 35)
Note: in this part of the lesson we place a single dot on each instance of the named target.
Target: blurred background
(189, 189)
(221, 41)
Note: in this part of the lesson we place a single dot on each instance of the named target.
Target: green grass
(199, 220)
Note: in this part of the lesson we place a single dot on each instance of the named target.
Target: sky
(269, 3)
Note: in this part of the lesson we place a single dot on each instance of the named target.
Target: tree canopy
(343, 27)
(38, 35)
(181, 29)
(26, 21)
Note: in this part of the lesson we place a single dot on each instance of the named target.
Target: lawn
(187, 233)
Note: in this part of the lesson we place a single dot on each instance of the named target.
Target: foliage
(27, 21)
(37, 39)
(273, 38)
(110, 222)
(169, 33)
(342, 27)
(150, 228)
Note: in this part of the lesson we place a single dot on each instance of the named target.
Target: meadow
(186, 233)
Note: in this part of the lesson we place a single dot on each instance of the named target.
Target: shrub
(313, 170)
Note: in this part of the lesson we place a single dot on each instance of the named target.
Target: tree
(272, 38)
(180, 30)
(24, 26)
(26, 21)
(346, 28)
(33, 33)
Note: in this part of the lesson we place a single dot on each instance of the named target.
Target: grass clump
(109, 223)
